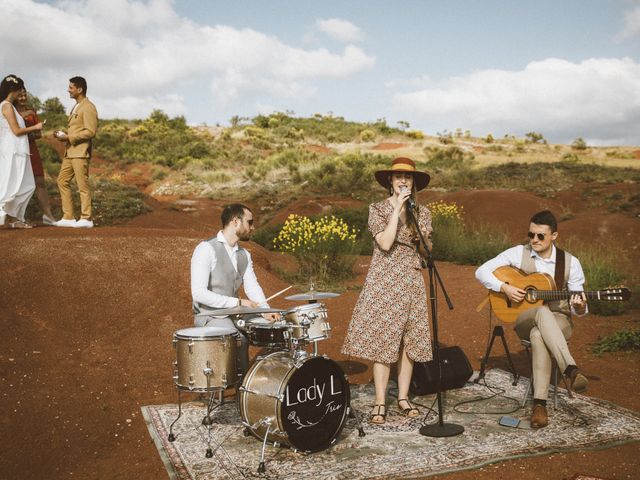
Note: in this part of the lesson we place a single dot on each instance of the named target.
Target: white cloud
(596, 99)
(143, 55)
(631, 27)
(341, 30)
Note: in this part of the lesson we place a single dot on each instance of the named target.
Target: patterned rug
(395, 450)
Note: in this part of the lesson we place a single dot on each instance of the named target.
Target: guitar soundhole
(531, 295)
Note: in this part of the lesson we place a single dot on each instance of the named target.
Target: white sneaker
(84, 223)
(63, 222)
(47, 220)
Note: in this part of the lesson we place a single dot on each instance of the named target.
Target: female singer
(390, 322)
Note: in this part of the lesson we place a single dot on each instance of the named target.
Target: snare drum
(205, 358)
(310, 320)
(270, 335)
(303, 402)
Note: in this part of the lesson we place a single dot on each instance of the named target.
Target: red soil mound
(389, 146)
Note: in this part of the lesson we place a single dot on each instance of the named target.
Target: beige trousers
(548, 333)
(78, 168)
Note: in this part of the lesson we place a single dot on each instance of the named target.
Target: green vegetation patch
(112, 201)
(620, 340)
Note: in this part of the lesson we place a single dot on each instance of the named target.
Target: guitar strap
(558, 275)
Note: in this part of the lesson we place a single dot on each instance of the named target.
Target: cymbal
(245, 311)
(312, 295)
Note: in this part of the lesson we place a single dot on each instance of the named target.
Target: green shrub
(447, 158)
(535, 137)
(351, 172)
(158, 139)
(620, 340)
(446, 138)
(602, 269)
(456, 241)
(367, 135)
(323, 247)
(112, 201)
(415, 134)
(579, 144)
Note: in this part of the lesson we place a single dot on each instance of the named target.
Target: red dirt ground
(88, 319)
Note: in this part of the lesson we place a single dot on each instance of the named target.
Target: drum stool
(554, 367)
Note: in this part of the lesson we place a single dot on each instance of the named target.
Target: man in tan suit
(82, 127)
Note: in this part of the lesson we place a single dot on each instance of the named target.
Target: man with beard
(219, 266)
(547, 327)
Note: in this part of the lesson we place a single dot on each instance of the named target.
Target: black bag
(456, 370)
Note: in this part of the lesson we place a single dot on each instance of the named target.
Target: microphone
(410, 201)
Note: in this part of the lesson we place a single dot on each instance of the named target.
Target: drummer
(219, 266)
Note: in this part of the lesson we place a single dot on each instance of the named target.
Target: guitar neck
(565, 294)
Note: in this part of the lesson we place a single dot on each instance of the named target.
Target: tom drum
(310, 320)
(205, 358)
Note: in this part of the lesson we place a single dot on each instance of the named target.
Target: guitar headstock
(615, 294)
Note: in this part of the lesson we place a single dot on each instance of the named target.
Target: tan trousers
(548, 333)
(78, 168)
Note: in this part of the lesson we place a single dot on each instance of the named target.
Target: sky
(562, 68)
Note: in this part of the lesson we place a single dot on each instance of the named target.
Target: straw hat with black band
(403, 165)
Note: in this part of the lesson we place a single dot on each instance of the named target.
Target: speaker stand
(498, 331)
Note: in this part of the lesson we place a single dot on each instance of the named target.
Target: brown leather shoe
(539, 418)
(578, 382)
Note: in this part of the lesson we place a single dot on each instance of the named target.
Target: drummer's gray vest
(563, 262)
(224, 279)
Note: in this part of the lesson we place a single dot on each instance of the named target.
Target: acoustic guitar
(540, 287)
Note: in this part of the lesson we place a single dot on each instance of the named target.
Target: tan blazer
(82, 127)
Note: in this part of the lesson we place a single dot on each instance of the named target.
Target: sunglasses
(540, 235)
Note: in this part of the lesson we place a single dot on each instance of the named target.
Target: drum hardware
(254, 392)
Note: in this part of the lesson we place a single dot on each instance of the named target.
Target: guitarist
(547, 327)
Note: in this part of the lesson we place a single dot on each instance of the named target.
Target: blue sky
(566, 69)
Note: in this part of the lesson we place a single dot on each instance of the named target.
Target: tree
(53, 105)
(535, 137)
(34, 102)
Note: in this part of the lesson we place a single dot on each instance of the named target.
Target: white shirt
(513, 257)
(203, 261)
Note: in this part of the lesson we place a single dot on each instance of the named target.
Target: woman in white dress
(16, 177)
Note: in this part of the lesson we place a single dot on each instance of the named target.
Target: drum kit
(288, 396)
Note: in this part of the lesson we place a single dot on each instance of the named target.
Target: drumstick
(279, 293)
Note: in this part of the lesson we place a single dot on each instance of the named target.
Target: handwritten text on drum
(312, 393)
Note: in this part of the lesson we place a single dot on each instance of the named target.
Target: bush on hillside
(158, 139)
(112, 201)
(352, 172)
(447, 158)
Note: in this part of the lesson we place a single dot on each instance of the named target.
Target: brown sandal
(410, 411)
(376, 412)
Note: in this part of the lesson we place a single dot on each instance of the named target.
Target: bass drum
(303, 402)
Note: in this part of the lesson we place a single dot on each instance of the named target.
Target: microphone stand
(439, 429)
